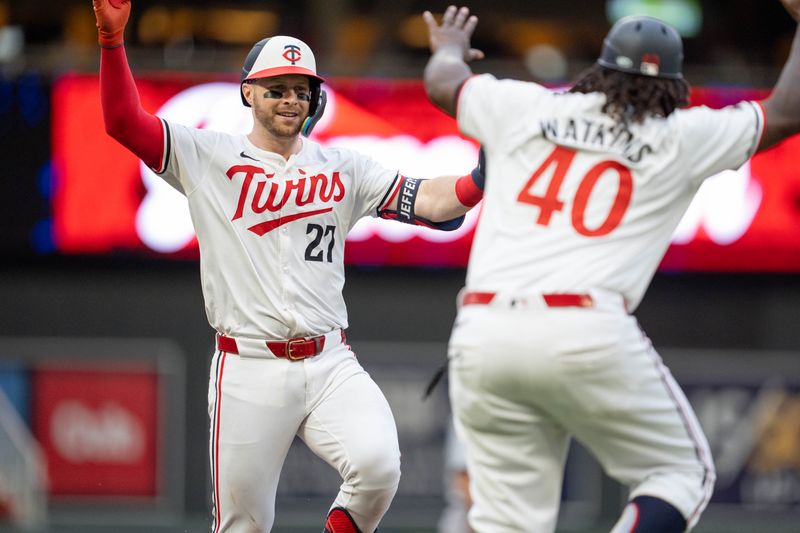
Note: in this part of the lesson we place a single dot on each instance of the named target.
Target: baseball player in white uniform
(271, 210)
(583, 191)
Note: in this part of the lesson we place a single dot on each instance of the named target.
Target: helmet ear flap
(316, 91)
(319, 99)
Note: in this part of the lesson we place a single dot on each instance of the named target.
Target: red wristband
(467, 192)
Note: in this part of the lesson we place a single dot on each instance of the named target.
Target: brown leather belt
(550, 299)
(295, 349)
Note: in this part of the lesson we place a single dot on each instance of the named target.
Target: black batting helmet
(278, 55)
(645, 46)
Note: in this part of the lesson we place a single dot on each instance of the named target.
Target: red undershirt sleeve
(126, 121)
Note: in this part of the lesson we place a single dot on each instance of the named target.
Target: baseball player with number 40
(271, 210)
(584, 189)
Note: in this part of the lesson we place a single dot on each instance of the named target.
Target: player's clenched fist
(111, 15)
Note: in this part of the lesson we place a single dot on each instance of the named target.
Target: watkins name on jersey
(598, 136)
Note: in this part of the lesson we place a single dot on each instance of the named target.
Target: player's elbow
(789, 127)
(112, 131)
(438, 93)
(782, 122)
(780, 131)
(114, 126)
(443, 78)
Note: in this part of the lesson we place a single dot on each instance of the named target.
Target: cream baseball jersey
(271, 231)
(575, 201)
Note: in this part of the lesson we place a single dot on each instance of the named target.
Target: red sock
(340, 521)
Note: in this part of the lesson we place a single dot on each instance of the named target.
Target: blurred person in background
(584, 190)
(271, 210)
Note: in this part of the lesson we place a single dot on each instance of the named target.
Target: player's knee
(376, 470)
(383, 473)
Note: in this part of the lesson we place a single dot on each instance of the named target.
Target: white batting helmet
(279, 55)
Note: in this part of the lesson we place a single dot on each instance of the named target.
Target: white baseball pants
(258, 403)
(525, 377)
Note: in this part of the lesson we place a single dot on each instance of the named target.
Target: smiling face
(280, 103)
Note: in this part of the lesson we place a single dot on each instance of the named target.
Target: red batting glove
(111, 15)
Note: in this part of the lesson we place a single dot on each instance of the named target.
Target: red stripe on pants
(217, 511)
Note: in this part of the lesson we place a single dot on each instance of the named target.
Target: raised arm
(447, 69)
(125, 119)
(782, 108)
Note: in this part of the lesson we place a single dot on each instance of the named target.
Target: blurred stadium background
(104, 345)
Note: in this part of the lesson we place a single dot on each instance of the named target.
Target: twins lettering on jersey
(260, 193)
(589, 134)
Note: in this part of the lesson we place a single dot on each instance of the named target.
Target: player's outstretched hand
(455, 32)
(111, 15)
(793, 7)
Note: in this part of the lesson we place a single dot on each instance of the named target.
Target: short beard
(269, 124)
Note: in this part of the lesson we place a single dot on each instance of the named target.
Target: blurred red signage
(107, 201)
(98, 429)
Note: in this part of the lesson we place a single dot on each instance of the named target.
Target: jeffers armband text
(405, 202)
(406, 198)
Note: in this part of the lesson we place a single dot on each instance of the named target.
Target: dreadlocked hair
(631, 98)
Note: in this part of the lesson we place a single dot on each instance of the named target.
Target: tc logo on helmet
(292, 53)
